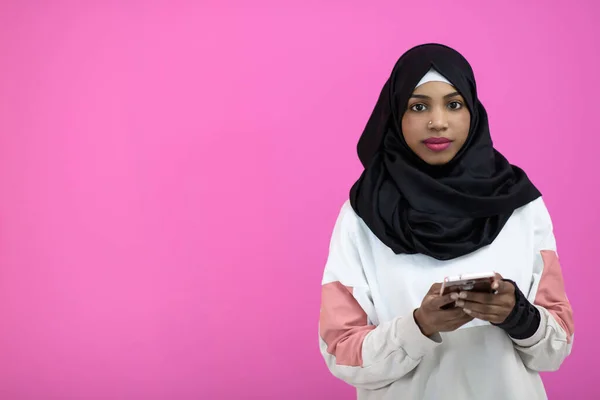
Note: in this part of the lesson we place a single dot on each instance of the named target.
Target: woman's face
(436, 122)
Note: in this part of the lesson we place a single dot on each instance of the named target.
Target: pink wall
(170, 174)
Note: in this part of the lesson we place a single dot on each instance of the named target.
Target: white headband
(432, 76)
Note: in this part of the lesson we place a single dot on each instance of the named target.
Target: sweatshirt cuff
(524, 319)
(537, 336)
(413, 342)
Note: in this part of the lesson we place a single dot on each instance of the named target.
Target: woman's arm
(356, 349)
(551, 343)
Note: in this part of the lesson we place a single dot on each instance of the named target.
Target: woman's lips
(437, 143)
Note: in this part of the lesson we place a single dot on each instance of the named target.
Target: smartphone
(478, 282)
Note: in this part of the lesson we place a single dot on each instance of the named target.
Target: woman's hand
(432, 319)
(494, 308)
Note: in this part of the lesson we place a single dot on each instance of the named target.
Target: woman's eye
(455, 105)
(418, 107)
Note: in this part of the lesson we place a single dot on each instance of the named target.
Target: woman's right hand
(432, 319)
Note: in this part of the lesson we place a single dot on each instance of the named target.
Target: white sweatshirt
(369, 339)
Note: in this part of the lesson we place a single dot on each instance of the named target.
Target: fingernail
(454, 296)
(467, 310)
(463, 295)
(460, 303)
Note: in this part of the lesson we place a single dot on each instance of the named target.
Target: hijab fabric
(444, 211)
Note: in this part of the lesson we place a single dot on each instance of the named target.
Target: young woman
(435, 200)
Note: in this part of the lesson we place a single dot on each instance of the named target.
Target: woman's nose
(438, 121)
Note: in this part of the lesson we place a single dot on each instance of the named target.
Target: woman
(436, 199)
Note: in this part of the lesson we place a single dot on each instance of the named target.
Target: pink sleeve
(343, 324)
(551, 293)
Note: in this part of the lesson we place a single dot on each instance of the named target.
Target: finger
(486, 313)
(488, 309)
(440, 301)
(457, 323)
(497, 283)
(506, 287)
(468, 318)
(435, 288)
(484, 317)
(451, 314)
(461, 316)
(478, 297)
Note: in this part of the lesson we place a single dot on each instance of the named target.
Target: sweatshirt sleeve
(548, 347)
(355, 347)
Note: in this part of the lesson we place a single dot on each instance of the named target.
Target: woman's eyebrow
(422, 96)
(453, 94)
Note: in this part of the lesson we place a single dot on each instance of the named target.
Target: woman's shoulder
(537, 209)
(346, 211)
(347, 216)
(349, 221)
(535, 217)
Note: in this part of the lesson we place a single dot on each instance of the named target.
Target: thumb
(497, 281)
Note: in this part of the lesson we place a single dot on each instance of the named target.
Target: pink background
(170, 174)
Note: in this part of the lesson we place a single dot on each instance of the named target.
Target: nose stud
(430, 122)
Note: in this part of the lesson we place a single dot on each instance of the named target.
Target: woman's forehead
(435, 88)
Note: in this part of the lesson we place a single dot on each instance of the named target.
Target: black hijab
(442, 211)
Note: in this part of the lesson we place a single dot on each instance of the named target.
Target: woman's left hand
(494, 308)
